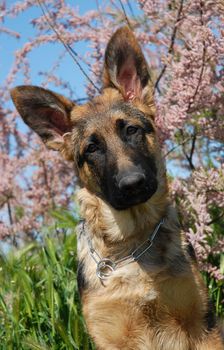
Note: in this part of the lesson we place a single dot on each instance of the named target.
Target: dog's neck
(114, 226)
(116, 234)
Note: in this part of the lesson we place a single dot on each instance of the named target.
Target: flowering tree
(184, 43)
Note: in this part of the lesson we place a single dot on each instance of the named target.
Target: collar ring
(105, 268)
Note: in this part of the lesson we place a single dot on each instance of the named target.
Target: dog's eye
(131, 130)
(92, 148)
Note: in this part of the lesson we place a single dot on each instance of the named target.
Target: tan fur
(137, 309)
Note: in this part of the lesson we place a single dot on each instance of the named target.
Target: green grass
(39, 303)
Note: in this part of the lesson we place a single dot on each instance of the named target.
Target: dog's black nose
(131, 182)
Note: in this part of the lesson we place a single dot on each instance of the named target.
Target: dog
(138, 280)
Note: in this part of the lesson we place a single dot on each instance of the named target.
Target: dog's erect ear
(125, 67)
(47, 113)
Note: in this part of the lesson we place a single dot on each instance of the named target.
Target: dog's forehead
(102, 113)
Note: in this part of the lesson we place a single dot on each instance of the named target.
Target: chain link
(105, 266)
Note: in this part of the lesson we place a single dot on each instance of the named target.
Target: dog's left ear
(48, 114)
(125, 67)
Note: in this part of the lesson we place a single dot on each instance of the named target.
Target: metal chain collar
(105, 266)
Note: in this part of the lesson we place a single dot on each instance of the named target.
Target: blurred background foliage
(39, 301)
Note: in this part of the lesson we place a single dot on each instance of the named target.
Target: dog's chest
(117, 310)
(135, 308)
(127, 281)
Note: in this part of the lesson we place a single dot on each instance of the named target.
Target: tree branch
(68, 47)
(14, 242)
(192, 100)
(172, 42)
(190, 157)
(125, 15)
(47, 183)
(9, 212)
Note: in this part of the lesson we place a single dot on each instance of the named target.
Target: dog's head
(111, 139)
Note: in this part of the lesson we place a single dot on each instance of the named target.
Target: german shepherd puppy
(139, 283)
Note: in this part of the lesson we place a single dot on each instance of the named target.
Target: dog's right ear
(48, 114)
(126, 69)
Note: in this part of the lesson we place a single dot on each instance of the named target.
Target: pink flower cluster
(201, 202)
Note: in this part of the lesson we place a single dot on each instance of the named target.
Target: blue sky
(41, 59)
